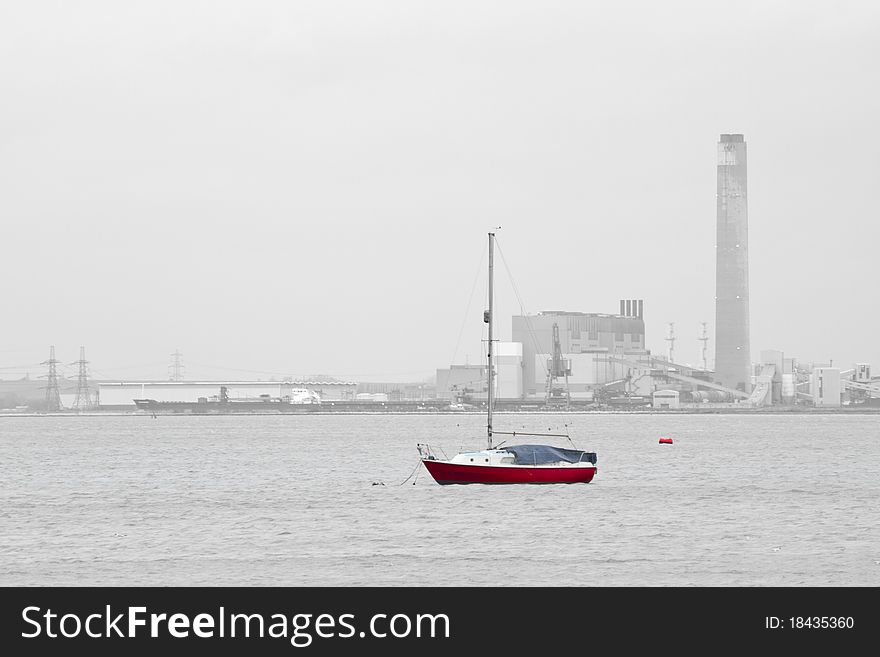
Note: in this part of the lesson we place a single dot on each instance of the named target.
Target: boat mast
(488, 319)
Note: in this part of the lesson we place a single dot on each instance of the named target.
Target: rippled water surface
(291, 500)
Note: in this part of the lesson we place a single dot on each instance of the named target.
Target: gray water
(290, 500)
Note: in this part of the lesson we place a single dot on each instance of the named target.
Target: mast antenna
(704, 338)
(671, 340)
(487, 317)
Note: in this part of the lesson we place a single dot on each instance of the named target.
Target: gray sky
(305, 187)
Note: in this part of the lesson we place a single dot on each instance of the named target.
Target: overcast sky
(305, 187)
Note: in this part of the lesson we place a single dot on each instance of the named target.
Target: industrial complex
(556, 359)
(578, 359)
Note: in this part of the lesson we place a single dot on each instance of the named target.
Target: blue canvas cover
(544, 454)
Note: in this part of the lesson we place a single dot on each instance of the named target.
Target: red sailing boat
(517, 464)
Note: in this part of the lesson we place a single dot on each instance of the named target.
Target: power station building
(582, 343)
(732, 357)
(585, 342)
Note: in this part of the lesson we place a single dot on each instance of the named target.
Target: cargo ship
(300, 400)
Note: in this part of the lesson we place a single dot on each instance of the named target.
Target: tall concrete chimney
(732, 359)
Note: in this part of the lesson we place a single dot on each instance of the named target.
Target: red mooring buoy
(666, 441)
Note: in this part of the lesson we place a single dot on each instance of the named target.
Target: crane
(557, 368)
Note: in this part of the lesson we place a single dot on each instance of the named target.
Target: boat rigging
(516, 464)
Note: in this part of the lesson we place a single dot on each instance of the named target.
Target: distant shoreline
(649, 411)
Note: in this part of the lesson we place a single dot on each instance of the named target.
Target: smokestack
(732, 357)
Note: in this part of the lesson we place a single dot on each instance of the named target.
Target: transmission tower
(704, 338)
(176, 369)
(670, 354)
(53, 394)
(83, 401)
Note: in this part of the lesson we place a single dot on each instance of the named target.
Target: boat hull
(224, 407)
(445, 473)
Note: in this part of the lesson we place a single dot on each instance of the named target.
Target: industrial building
(862, 373)
(559, 353)
(468, 382)
(583, 340)
(666, 399)
(825, 387)
(458, 381)
(859, 387)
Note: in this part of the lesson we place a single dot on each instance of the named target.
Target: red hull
(458, 473)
